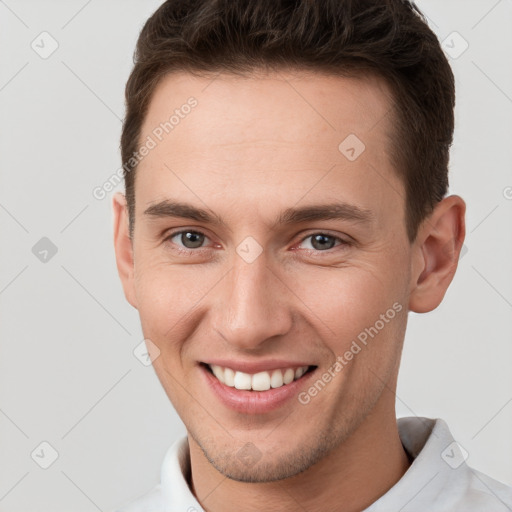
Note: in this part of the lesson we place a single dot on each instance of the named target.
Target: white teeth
(261, 381)
(217, 371)
(242, 380)
(229, 377)
(288, 376)
(276, 381)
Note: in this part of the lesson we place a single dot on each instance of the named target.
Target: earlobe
(123, 247)
(436, 254)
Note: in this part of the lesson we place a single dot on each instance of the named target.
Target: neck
(349, 479)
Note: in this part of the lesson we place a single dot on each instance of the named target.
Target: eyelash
(185, 250)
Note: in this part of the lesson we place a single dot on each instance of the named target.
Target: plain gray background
(68, 375)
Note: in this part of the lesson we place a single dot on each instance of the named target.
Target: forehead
(315, 106)
(249, 135)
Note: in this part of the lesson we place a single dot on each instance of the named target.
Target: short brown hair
(389, 38)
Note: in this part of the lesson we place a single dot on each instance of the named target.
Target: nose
(252, 306)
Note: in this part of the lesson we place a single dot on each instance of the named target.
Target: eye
(323, 241)
(187, 240)
(191, 240)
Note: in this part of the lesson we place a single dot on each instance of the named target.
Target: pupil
(191, 239)
(322, 239)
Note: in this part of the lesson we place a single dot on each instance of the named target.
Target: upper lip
(255, 367)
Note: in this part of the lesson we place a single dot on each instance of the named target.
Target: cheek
(171, 298)
(165, 289)
(349, 300)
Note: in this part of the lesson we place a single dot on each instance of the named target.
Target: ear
(123, 247)
(436, 253)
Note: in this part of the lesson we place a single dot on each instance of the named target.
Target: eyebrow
(331, 211)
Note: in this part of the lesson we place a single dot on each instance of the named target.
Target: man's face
(265, 290)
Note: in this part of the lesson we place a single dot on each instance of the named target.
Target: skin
(251, 148)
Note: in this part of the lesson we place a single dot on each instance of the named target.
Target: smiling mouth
(261, 381)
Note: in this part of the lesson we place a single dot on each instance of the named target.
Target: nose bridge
(252, 307)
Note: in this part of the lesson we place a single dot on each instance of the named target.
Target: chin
(247, 463)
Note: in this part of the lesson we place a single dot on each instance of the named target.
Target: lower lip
(255, 402)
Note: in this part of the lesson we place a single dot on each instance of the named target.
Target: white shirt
(438, 480)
